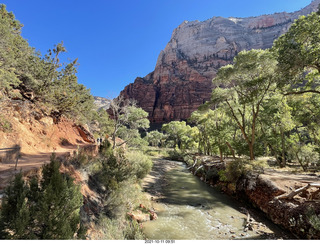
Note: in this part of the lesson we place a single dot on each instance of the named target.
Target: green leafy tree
(248, 82)
(182, 135)
(15, 52)
(155, 138)
(59, 208)
(215, 131)
(128, 120)
(276, 125)
(298, 54)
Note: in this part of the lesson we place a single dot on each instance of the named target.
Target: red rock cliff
(182, 77)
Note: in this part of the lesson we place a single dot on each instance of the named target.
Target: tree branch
(301, 92)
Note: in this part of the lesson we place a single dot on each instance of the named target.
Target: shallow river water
(192, 210)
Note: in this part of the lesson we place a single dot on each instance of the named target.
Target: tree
(155, 138)
(14, 52)
(276, 124)
(215, 131)
(46, 209)
(182, 135)
(298, 54)
(247, 83)
(15, 215)
(59, 208)
(128, 119)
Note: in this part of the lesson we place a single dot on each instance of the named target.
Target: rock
(85, 134)
(182, 78)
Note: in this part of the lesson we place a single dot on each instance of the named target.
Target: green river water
(191, 210)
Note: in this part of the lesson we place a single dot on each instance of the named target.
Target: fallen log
(297, 191)
(293, 193)
(195, 162)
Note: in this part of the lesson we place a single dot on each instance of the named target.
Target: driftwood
(250, 223)
(195, 162)
(297, 191)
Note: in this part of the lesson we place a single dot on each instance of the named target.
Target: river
(189, 209)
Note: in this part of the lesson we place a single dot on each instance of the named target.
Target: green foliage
(155, 138)
(215, 129)
(182, 135)
(240, 167)
(298, 54)
(48, 209)
(234, 170)
(59, 210)
(15, 216)
(5, 125)
(118, 166)
(128, 120)
(248, 82)
(14, 51)
(142, 163)
(133, 231)
(101, 124)
(176, 155)
(41, 79)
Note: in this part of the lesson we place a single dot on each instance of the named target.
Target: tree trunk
(251, 149)
(221, 155)
(283, 163)
(231, 149)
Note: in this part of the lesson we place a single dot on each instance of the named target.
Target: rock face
(182, 79)
(101, 102)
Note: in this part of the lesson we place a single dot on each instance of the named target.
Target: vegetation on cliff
(26, 75)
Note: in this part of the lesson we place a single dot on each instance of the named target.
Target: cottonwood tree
(276, 123)
(128, 120)
(215, 131)
(247, 83)
(182, 135)
(155, 138)
(298, 53)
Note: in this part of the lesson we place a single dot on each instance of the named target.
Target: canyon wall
(182, 78)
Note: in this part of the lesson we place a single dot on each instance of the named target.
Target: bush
(176, 155)
(5, 125)
(234, 170)
(142, 164)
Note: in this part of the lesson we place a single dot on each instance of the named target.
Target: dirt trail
(288, 181)
(33, 161)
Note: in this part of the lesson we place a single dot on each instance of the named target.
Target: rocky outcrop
(181, 81)
(101, 102)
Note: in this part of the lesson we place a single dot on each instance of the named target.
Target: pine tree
(15, 215)
(49, 209)
(60, 204)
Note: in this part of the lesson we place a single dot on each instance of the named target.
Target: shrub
(176, 155)
(5, 125)
(142, 164)
(234, 170)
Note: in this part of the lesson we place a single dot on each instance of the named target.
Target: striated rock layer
(182, 79)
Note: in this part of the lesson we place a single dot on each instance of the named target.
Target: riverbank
(189, 209)
(155, 182)
(288, 199)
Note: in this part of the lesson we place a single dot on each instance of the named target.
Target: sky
(116, 41)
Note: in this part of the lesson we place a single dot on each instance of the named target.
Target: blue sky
(116, 41)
